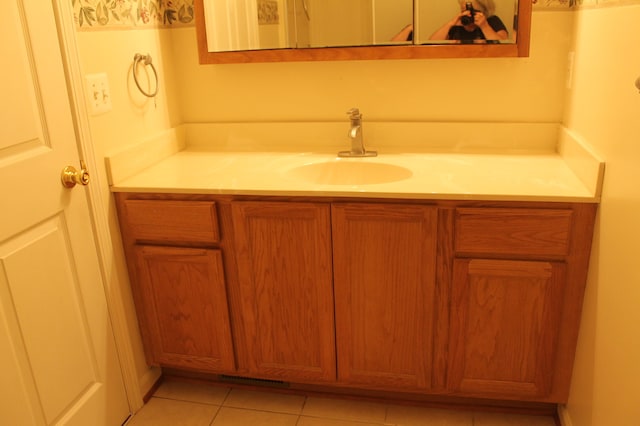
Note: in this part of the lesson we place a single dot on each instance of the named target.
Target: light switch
(571, 57)
(98, 93)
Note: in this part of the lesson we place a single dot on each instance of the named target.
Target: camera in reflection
(466, 20)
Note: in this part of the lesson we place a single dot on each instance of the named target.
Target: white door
(58, 361)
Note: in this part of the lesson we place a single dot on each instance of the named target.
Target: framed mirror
(236, 31)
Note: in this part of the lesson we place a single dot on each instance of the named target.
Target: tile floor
(182, 403)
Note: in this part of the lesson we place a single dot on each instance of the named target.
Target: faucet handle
(354, 113)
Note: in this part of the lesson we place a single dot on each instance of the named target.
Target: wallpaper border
(578, 4)
(127, 14)
(92, 15)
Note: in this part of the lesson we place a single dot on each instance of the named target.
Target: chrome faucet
(355, 136)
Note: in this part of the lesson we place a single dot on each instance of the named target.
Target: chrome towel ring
(146, 59)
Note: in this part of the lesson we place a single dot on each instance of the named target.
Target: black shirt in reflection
(458, 32)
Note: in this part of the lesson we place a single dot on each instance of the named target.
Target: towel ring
(146, 59)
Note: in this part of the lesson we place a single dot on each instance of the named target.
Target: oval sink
(350, 172)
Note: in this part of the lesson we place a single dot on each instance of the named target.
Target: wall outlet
(98, 93)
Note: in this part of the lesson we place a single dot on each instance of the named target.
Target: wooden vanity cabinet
(518, 277)
(384, 283)
(450, 298)
(504, 326)
(185, 307)
(178, 282)
(283, 253)
(373, 264)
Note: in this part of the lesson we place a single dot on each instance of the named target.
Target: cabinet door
(504, 323)
(283, 254)
(384, 268)
(185, 307)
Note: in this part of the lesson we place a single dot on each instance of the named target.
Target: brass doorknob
(70, 176)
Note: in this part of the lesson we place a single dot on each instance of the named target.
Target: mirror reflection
(463, 21)
(237, 25)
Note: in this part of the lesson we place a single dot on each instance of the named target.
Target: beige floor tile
(169, 412)
(265, 401)
(184, 403)
(498, 419)
(421, 416)
(344, 409)
(316, 421)
(228, 416)
(192, 391)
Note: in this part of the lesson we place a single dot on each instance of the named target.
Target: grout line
(355, 422)
(226, 396)
(220, 406)
(215, 415)
(260, 410)
(304, 404)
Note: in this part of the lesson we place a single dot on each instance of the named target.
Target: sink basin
(350, 172)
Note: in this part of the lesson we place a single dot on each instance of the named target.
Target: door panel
(504, 326)
(185, 301)
(60, 366)
(47, 307)
(384, 287)
(20, 120)
(284, 267)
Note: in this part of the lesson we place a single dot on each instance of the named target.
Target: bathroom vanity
(465, 287)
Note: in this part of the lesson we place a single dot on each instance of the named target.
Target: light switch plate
(571, 57)
(98, 94)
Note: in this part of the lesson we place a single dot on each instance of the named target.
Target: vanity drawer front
(537, 232)
(166, 221)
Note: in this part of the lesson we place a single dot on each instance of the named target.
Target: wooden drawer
(166, 221)
(535, 232)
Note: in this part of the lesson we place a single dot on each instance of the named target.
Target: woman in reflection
(476, 22)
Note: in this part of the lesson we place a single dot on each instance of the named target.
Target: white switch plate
(571, 58)
(98, 93)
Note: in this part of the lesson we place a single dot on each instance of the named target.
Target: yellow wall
(511, 89)
(134, 118)
(350, 23)
(604, 108)
(390, 16)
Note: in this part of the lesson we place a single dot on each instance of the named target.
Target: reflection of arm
(492, 27)
(403, 35)
(443, 32)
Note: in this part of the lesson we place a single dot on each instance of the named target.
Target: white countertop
(540, 177)
(456, 161)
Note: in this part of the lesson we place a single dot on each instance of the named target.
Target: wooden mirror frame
(518, 49)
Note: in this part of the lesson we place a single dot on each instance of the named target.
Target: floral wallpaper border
(577, 4)
(552, 4)
(103, 14)
(126, 14)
